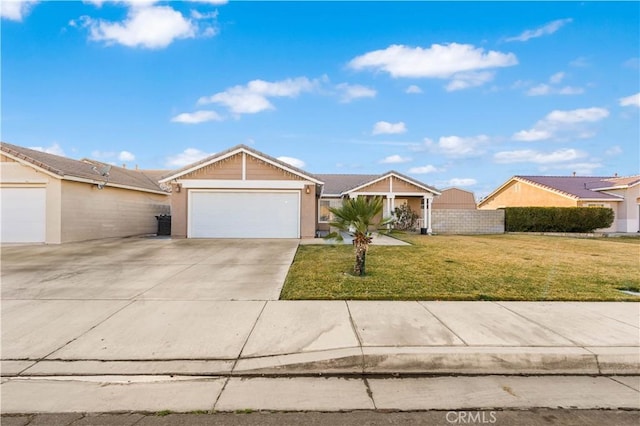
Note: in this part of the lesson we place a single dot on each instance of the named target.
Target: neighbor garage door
(217, 214)
(23, 213)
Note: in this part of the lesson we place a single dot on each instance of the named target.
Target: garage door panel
(243, 214)
(23, 215)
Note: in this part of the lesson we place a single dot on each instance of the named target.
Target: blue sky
(460, 94)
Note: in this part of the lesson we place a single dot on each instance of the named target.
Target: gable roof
(338, 184)
(617, 183)
(233, 151)
(88, 171)
(341, 184)
(575, 187)
(580, 187)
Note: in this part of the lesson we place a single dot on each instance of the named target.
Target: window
(324, 215)
(596, 205)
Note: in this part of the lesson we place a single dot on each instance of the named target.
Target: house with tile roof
(47, 198)
(244, 193)
(621, 194)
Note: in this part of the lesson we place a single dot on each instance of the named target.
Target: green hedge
(557, 219)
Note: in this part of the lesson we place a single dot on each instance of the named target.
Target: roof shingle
(85, 169)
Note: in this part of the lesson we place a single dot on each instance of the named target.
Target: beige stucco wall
(521, 194)
(178, 212)
(91, 213)
(16, 175)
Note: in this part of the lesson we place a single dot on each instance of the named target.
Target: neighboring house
(51, 199)
(244, 193)
(455, 199)
(621, 194)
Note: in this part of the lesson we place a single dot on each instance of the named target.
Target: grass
(490, 267)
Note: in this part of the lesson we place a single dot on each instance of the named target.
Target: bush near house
(557, 219)
(406, 218)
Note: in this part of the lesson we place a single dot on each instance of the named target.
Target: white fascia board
(106, 183)
(371, 182)
(242, 184)
(603, 200)
(395, 194)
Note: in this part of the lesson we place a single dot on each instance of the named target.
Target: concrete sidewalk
(185, 356)
(204, 338)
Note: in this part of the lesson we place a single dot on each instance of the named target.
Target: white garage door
(23, 213)
(244, 214)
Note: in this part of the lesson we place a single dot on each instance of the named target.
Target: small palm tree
(357, 216)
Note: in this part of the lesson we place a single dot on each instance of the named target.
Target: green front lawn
(496, 267)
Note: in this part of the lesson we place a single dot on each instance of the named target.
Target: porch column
(425, 206)
(429, 205)
(391, 204)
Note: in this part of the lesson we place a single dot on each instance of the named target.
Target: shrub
(406, 219)
(557, 219)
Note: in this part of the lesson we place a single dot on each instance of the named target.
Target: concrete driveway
(148, 269)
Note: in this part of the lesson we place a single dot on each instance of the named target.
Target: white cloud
(349, 92)
(570, 90)
(580, 62)
(384, 127)
(633, 100)
(461, 182)
(16, 10)
(557, 122)
(188, 156)
(557, 77)
(584, 169)
(539, 90)
(151, 27)
(532, 135)
(295, 162)
(196, 117)
(632, 63)
(55, 149)
(413, 89)
(423, 170)
(614, 150)
(546, 29)
(457, 146)
(214, 2)
(577, 115)
(532, 156)
(469, 79)
(126, 156)
(254, 97)
(552, 88)
(395, 159)
(457, 61)
(545, 89)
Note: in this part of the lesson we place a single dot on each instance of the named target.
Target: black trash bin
(164, 224)
(423, 231)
